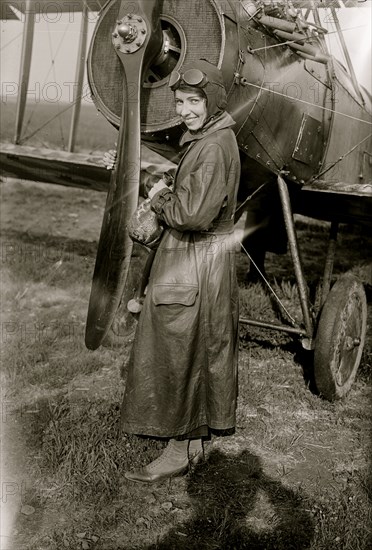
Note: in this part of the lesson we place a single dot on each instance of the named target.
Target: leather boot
(172, 462)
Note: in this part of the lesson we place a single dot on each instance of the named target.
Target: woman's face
(192, 108)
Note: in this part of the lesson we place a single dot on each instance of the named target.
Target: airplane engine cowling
(191, 30)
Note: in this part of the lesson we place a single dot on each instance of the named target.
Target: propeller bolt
(140, 19)
(119, 21)
(115, 34)
(143, 31)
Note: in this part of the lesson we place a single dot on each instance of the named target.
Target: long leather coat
(183, 368)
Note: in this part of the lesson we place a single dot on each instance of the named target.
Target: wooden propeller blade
(115, 246)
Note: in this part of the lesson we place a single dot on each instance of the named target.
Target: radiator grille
(201, 26)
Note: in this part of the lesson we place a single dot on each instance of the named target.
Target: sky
(57, 36)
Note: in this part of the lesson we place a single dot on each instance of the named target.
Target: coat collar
(223, 120)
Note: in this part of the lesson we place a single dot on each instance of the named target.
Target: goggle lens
(192, 77)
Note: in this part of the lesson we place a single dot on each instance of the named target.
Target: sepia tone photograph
(186, 274)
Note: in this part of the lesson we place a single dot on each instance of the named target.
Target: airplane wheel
(340, 338)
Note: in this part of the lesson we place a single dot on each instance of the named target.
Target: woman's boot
(172, 462)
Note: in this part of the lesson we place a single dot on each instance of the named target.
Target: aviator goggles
(192, 77)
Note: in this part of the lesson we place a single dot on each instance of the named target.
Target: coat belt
(222, 226)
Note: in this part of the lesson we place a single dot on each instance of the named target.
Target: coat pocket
(165, 294)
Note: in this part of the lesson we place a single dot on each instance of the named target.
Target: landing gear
(335, 326)
(340, 338)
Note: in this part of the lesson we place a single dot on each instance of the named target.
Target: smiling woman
(192, 107)
(182, 374)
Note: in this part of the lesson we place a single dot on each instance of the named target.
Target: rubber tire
(343, 316)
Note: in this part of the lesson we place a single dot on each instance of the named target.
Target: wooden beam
(79, 78)
(347, 56)
(24, 71)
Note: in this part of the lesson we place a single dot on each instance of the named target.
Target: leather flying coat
(182, 373)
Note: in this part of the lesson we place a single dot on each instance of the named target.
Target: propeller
(137, 39)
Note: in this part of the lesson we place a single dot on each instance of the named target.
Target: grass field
(296, 474)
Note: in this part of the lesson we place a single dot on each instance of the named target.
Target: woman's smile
(192, 107)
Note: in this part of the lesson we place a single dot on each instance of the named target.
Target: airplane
(301, 117)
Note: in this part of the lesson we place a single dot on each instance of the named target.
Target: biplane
(301, 118)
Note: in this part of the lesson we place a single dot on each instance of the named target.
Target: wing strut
(24, 72)
(347, 56)
(79, 77)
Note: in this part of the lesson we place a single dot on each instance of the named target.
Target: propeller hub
(130, 33)
(127, 32)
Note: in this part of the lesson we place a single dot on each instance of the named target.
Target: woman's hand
(109, 159)
(158, 186)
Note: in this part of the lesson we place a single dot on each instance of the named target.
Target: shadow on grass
(259, 346)
(236, 506)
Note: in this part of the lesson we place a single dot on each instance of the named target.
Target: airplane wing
(323, 200)
(6, 11)
(336, 201)
(9, 8)
(52, 166)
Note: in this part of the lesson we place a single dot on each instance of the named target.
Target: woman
(182, 375)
